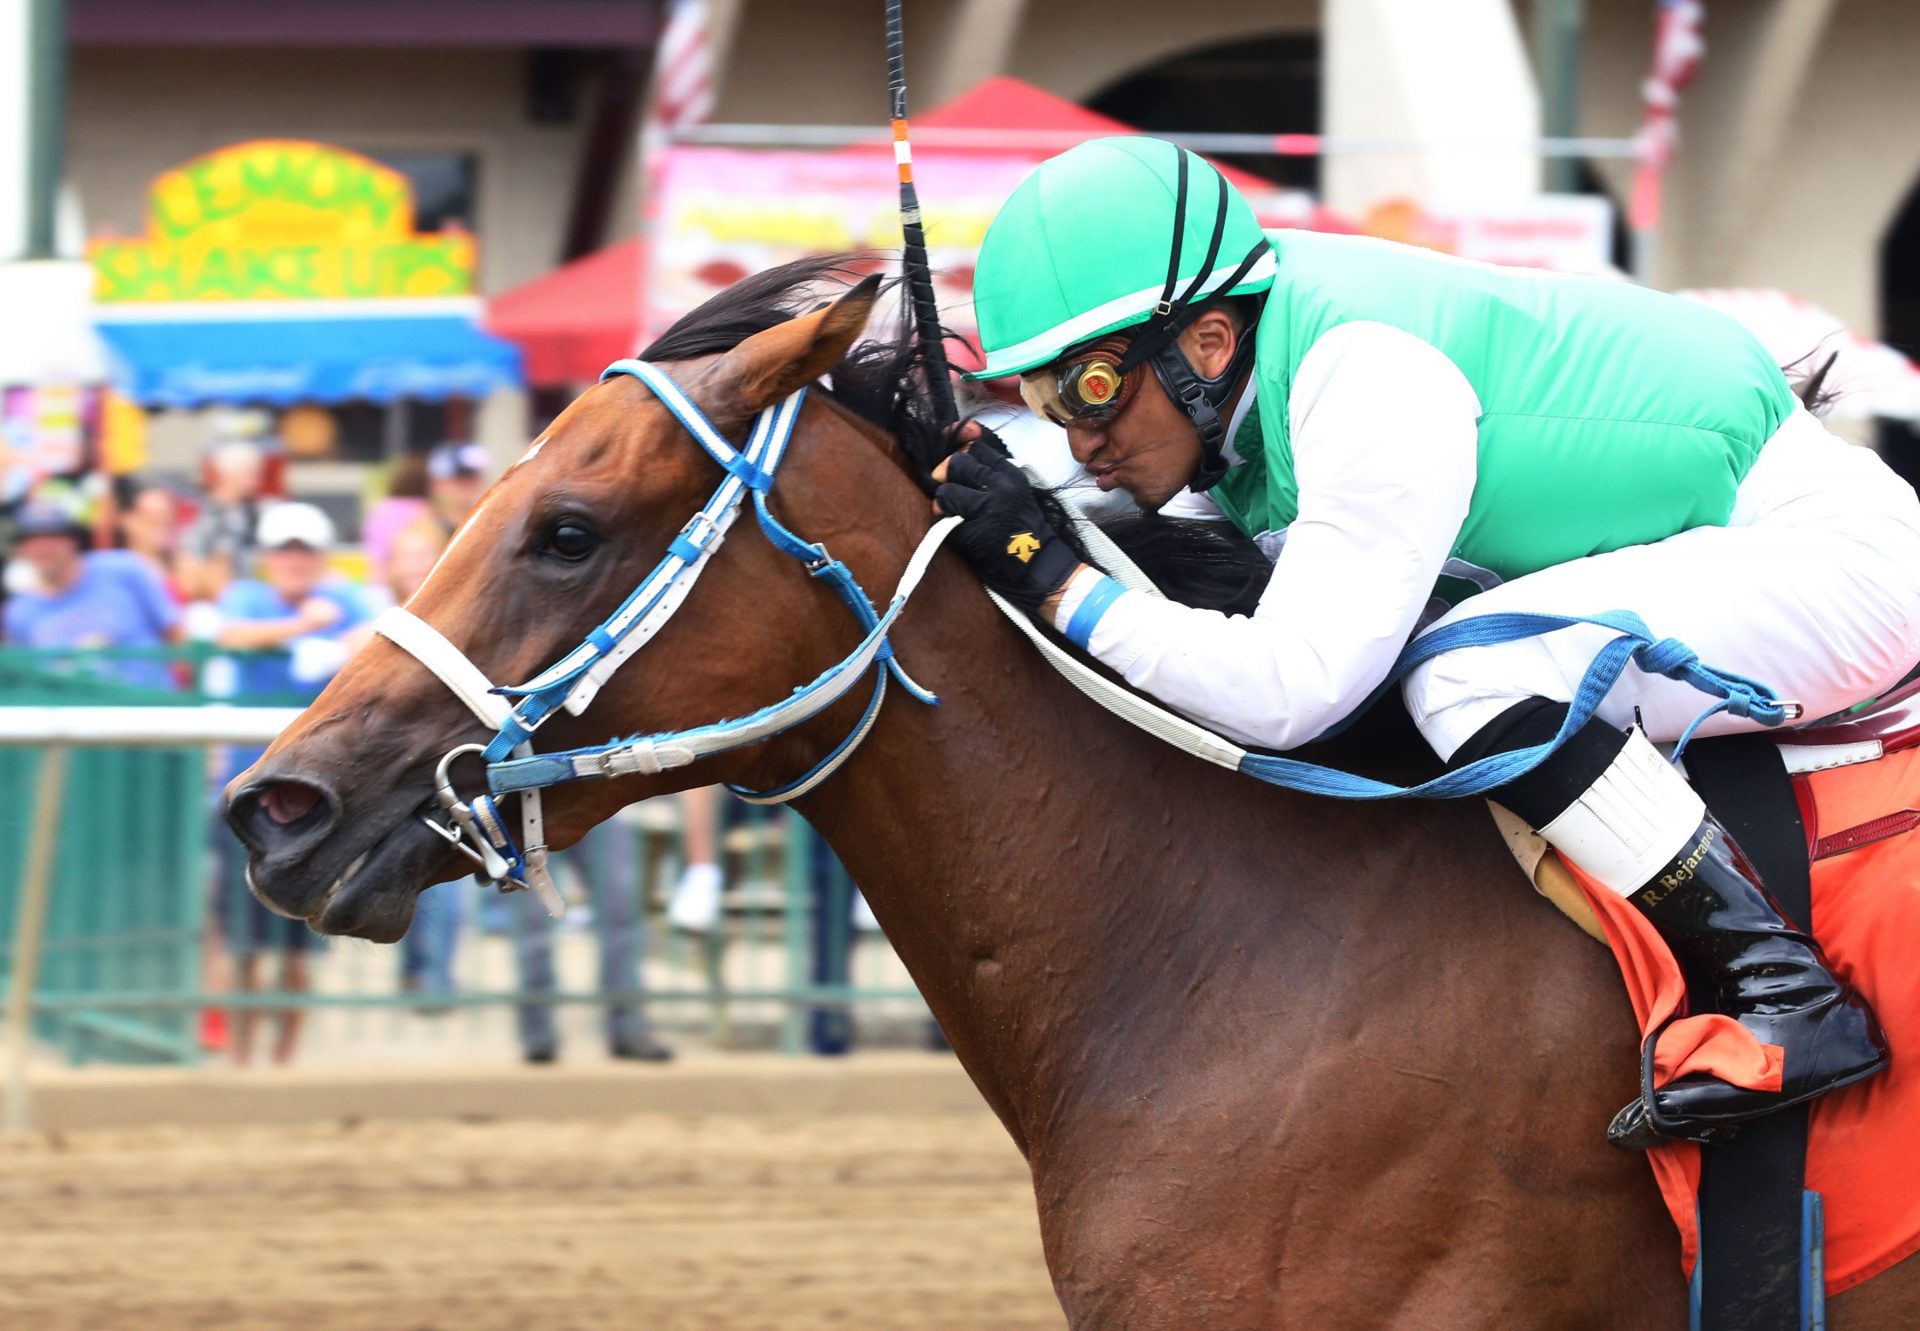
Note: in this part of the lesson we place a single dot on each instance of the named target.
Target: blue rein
(1633, 643)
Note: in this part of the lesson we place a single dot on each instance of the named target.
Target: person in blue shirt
(294, 605)
(299, 618)
(82, 599)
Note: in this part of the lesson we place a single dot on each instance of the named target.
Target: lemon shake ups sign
(279, 272)
(281, 219)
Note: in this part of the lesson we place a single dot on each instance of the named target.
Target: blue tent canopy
(288, 354)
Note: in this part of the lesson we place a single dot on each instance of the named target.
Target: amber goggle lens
(1086, 390)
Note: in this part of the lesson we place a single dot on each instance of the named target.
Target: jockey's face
(1151, 449)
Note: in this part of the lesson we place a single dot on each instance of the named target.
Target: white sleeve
(1384, 430)
(1195, 506)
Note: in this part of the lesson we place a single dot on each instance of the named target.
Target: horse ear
(771, 365)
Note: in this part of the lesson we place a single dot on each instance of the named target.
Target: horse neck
(1033, 858)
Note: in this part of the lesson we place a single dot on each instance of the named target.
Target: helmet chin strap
(1203, 400)
(1157, 340)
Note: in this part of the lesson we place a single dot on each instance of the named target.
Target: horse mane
(883, 381)
(1205, 564)
(1809, 381)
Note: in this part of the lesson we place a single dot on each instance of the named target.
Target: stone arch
(1261, 84)
(1077, 48)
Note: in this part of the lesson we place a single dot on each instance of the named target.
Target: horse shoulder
(1373, 1081)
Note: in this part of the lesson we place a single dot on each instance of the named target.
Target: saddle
(1812, 1200)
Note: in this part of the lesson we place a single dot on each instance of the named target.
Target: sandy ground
(654, 1224)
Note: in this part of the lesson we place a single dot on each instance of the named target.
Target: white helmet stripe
(1044, 347)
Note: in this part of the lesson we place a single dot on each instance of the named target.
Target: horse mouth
(374, 896)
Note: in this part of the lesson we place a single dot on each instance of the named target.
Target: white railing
(141, 727)
(719, 134)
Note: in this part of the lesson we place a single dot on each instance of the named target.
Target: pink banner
(726, 213)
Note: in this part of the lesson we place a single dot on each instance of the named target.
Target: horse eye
(572, 542)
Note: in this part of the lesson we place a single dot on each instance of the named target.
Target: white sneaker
(695, 903)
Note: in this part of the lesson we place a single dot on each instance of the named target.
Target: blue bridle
(573, 681)
(751, 471)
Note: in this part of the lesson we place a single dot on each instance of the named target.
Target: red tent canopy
(575, 320)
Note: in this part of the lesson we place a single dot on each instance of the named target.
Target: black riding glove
(1005, 537)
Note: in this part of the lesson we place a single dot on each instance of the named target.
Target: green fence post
(793, 1022)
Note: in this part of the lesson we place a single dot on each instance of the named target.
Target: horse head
(332, 814)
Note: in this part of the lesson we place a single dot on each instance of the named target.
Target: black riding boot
(1768, 976)
(1608, 801)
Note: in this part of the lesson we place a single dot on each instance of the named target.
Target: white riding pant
(1812, 588)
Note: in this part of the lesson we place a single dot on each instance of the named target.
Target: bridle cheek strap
(577, 678)
(648, 754)
(589, 684)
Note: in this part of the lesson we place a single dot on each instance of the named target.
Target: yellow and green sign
(281, 219)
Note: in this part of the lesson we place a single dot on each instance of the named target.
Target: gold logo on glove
(1024, 547)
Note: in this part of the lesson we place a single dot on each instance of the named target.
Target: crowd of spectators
(251, 592)
(101, 580)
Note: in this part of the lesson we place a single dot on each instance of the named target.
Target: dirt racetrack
(654, 1224)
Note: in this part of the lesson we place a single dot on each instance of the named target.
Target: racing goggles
(1090, 389)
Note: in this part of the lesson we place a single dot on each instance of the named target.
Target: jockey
(1387, 422)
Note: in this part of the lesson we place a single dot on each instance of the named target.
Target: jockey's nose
(1083, 443)
(275, 816)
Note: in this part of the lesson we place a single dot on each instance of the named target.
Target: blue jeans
(426, 953)
(830, 912)
(607, 861)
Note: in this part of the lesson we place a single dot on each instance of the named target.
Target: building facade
(1800, 135)
(1799, 154)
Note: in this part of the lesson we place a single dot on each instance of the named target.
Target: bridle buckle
(700, 529)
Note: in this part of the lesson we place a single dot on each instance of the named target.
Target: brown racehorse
(1276, 1061)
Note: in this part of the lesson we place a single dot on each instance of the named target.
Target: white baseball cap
(294, 524)
(449, 461)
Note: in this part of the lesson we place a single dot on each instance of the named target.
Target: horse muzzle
(305, 861)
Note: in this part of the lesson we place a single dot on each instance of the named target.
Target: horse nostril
(276, 813)
(289, 801)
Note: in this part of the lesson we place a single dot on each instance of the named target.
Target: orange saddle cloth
(1863, 1152)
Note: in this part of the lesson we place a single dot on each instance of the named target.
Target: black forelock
(881, 380)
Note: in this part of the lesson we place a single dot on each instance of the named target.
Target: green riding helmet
(1085, 244)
